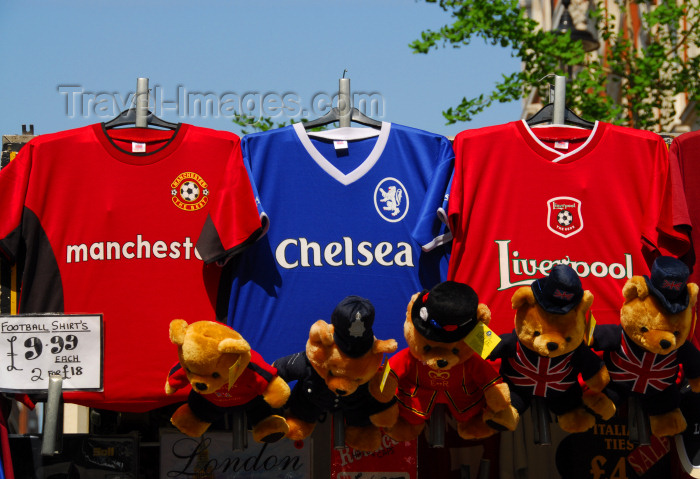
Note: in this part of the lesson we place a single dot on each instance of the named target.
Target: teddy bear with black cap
(439, 367)
(643, 353)
(340, 371)
(548, 350)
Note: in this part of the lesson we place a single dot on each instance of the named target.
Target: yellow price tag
(482, 340)
(589, 329)
(385, 374)
(234, 372)
(691, 333)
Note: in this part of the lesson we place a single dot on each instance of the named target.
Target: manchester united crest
(564, 216)
(189, 191)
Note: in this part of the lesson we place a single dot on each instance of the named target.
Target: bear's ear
(522, 296)
(178, 328)
(635, 287)
(234, 346)
(321, 332)
(384, 346)
(692, 295)
(586, 302)
(409, 308)
(483, 313)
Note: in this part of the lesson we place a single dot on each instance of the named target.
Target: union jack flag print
(641, 370)
(559, 294)
(672, 285)
(540, 373)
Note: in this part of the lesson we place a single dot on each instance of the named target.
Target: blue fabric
(339, 230)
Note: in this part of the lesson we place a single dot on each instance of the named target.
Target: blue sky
(71, 63)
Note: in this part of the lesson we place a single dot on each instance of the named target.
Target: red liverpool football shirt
(106, 222)
(524, 199)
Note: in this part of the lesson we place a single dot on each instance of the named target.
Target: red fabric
(110, 232)
(25, 399)
(177, 378)
(421, 387)
(510, 184)
(685, 158)
(251, 383)
(7, 467)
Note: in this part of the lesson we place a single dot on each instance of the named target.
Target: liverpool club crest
(564, 216)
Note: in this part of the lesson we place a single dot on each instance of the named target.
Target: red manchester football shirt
(106, 221)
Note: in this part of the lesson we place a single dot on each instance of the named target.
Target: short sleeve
(14, 182)
(589, 363)
(292, 367)
(505, 347)
(263, 372)
(236, 218)
(666, 225)
(431, 230)
(177, 377)
(455, 195)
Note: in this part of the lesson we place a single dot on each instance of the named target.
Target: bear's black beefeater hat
(559, 292)
(352, 322)
(668, 283)
(446, 313)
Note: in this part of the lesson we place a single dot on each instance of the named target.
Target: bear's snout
(660, 341)
(341, 392)
(552, 346)
(441, 363)
(200, 386)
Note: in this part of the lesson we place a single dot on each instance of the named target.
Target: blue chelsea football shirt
(345, 219)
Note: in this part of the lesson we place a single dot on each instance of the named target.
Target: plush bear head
(550, 316)
(437, 322)
(657, 313)
(211, 353)
(345, 353)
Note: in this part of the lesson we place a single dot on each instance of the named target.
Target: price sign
(34, 347)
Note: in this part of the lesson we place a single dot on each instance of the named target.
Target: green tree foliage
(632, 84)
(252, 124)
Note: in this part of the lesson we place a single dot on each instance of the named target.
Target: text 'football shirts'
(99, 229)
(524, 199)
(341, 222)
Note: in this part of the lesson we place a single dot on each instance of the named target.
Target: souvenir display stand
(270, 234)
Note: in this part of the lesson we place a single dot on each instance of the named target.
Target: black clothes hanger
(334, 115)
(128, 118)
(546, 114)
(556, 111)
